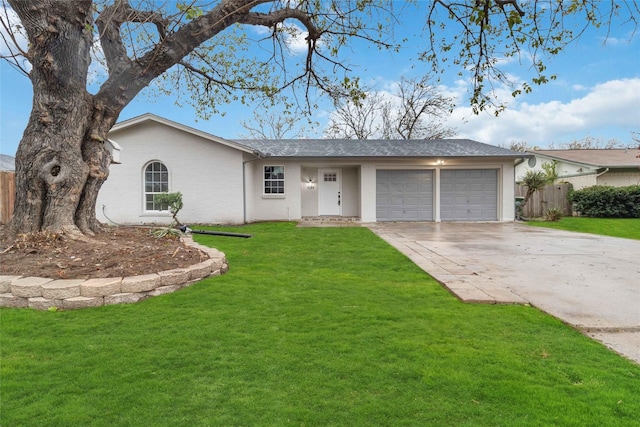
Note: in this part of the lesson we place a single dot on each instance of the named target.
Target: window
(330, 177)
(274, 180)
(156, 180)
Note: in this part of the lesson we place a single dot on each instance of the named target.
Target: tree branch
(514, 3)
(109, 23)
(15, 51)
(271, 19)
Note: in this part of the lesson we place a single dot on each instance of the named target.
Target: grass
(310, 326)
(615, 227)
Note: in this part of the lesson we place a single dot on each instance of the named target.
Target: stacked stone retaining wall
(42, 293)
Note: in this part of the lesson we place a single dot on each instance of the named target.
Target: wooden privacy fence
(552, 196)
(7, 195)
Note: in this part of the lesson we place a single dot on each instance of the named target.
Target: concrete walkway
(590, 282)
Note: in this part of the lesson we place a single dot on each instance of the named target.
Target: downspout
(259, 155)
(602, 173)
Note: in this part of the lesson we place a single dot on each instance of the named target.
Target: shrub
(607, 202)
(553, 214)
(173, 201)
(534, 181)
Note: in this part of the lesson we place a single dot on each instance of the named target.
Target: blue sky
(596, 94)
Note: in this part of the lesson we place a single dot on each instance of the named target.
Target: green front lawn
(310, 326)
(616, 227)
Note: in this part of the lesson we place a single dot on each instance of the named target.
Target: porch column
(367, 193)
(436, 194)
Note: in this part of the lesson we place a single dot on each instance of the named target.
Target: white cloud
(296, 39)
(610, 110)
(624, 40)
(294, 36)
(10, 18)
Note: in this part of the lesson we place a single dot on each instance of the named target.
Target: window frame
(280, 183)
(164, 186)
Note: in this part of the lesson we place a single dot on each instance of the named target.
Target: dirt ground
(117, 252)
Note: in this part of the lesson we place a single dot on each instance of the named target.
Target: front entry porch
(330, 192)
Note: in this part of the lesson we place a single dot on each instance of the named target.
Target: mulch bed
(116, 252)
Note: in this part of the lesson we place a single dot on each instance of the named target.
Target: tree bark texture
(50, 171)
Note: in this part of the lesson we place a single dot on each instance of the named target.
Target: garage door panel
(469, 195)
(482, 200)
(411, 201)
(404, 195)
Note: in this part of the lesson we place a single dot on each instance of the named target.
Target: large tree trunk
(50, 170)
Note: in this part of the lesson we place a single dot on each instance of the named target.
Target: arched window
(156, 180)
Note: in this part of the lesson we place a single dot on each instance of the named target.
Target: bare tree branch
(12, 44)
(109, 23)
(416, 111)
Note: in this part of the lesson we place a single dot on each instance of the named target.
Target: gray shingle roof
(378, 148)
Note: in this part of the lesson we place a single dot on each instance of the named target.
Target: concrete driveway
(590, 282)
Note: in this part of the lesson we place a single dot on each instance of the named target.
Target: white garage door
(469, 195)
(404, 195)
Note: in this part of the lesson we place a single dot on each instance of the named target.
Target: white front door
(329, 192)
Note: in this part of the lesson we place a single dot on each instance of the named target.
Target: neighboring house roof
(378, 148)
(618, 158)
(7, 163)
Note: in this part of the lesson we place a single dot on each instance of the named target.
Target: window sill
(156, 213)
(273, 196)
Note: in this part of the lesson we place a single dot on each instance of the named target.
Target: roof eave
(560, 159)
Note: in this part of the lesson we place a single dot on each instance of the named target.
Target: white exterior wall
(507, 192)
(276, 207)
(309, 195)
(564, 169)
(208, 174)
(249, 178)
(620, 178)
(580, 181)
(368, 192)
(350, 192)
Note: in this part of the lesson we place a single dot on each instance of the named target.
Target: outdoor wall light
(439, 162)
(310, 184)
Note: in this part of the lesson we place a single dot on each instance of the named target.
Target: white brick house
(232, 182)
